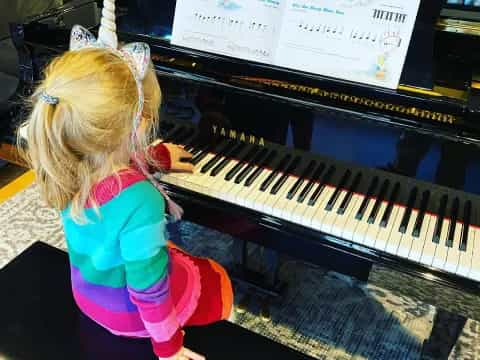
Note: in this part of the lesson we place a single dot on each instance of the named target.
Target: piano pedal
(243, 304)
(265, 315)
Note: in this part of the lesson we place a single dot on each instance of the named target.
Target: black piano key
(333, 199)
(291, 168)
(205, 147)
(234, 151)
(306, 173)
(200, 154)
(421, 214)
(218, 156)
(346, 200)
(326, 179)
(440, 216)
(278, 169)
(408, 210)
(256, 160)
(453, 222)
(366, 199)
(391, 203)
(266, 162)
(467, 210)
(378, 202)
(243, 161)
(316, 176)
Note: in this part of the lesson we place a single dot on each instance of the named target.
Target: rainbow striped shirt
(121, 265)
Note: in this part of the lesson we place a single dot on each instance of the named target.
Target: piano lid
(436, 92)
(435, 83)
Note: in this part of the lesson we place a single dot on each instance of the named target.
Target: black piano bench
(39, 320)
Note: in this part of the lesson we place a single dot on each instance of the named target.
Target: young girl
(95, 109)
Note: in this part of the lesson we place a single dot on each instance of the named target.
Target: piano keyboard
(389, 16)
(417, 221)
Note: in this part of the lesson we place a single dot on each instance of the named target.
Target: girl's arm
(143, 248)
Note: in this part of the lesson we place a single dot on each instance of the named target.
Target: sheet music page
(245, 29)
(358, 40)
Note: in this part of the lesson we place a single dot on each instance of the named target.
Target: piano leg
(264, 285)
(446, 330)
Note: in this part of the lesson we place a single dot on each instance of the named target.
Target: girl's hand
(179, 158)
(185, 354)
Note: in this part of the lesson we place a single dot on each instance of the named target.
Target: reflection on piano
(340, 174)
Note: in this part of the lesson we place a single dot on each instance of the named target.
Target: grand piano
(337, 173)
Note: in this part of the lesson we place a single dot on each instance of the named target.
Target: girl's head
(86, 135)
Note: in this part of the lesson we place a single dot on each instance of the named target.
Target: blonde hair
(86, 136)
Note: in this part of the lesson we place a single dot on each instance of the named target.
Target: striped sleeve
(144, 250)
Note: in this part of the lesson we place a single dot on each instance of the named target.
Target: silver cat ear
(139, 53)
(81, 38)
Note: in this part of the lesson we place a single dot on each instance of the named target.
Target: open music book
(358, 40)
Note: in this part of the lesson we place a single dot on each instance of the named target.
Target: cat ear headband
(137, 57)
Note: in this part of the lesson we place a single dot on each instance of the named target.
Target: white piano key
(407, 239)
(429, 249)
(276, 203)
(442, 250)
(320, 213)
(453, 254)
(395, 235)
(194, 181)
(331, 216)
(384, 233)
(341, 219)
(474, 273)
(465, 261)
(218, 183)
(374, 229)
(166, 178)
(352, 223)
(314, 214)
(361, 229)
(261, 199)
(235, 189)
(418, 243)
(249, 195)
(297, 214)
(300, 212)
(292, 208)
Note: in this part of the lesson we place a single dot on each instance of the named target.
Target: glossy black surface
(40, 321)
